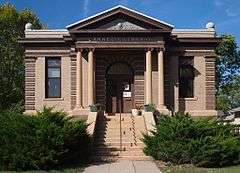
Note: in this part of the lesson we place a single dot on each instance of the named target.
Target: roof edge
(123, 7)
(193, 30)
(46, 30)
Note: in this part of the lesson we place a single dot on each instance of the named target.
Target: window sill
(189, 99)
(53, 99)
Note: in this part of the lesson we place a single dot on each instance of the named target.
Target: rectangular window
(186, 77)
(53, 78)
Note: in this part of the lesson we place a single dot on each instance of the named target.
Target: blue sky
(181, 13)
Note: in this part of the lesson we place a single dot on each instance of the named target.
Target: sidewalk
(123, 166)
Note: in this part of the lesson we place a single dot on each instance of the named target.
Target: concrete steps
(117, 158)
(135, 152)
(107, 138)
(117, 144)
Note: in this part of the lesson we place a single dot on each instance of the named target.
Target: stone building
(121, 59)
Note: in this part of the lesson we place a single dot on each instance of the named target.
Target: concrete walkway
(124, 166)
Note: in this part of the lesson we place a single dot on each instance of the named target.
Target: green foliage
(42, 141)
(227, 73)
(192, 169)
(228, 60)
(150, 108)
(95, 107)
(12, 24)
(229, 95)
(203, 142)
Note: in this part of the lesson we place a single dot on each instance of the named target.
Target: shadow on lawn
(178, 169)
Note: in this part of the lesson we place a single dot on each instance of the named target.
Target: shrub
(150, 108)
(41, 142)
(203, 142)
(95, 107)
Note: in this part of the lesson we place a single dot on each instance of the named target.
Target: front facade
(121, 59)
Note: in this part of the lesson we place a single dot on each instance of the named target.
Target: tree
(229, 95)
(228, 74)
(12, 26)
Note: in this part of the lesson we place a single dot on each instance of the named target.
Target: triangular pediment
(121, 24)
(120, 18)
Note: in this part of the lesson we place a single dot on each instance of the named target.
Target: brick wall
(30, 83)
(210, 83)
(73, 82)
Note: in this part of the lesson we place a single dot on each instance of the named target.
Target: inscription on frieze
(122, 39)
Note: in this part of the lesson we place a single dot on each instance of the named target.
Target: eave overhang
(106, 16)
(119, 45)
(200, 40)
(118, 31)
(41, 40)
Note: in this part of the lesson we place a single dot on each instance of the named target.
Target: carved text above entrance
(125, 39)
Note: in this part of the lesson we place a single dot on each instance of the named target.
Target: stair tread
(107, 137)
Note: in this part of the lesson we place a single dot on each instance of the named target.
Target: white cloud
(85, 8)
(230, 7)
(232, 11)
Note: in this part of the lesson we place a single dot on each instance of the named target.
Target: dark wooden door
(119, 94)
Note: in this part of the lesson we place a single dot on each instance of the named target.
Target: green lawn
(78, 168)
(70, 170)
(232, 169)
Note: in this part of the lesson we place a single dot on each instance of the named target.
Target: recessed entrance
(119, 89)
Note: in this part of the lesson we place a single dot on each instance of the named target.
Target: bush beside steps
(204, 142)
(44, 141)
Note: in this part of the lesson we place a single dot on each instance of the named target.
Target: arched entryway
(119, 88)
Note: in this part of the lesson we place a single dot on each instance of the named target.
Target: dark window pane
(54, 87)
(186, 72)
(53, 62)
(53, 77)
(188, 60)
(53, 72)
(186, 88)
(186, 77)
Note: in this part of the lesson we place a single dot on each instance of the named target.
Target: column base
(30, 112)
(79, 112)
(163, 109)
(203, 113)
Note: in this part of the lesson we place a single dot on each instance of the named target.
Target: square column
(79, 80)
(148, 97)
(161, 106)
(79, 109)
(90, 77)
(175, 62)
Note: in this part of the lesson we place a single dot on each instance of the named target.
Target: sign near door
(127, 94)
(126, 87)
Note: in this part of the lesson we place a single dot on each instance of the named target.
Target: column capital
(148, 49)
(160, 49)
(90, 49)
(79, 49)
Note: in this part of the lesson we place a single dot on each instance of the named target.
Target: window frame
(47, 78)
(182, 66)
